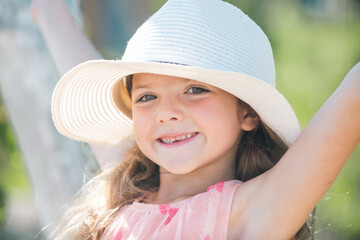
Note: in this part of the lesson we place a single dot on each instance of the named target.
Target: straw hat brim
(89, 104)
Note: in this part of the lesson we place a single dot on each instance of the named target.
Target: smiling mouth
(170, 140)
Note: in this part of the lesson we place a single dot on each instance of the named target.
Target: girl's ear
(249, 118)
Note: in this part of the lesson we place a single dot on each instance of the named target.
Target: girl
(195, 89)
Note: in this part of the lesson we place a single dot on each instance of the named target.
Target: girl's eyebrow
(141, 86)
(148, 85)
(135, 87)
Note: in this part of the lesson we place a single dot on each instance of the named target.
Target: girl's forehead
(143, 80)
(153, 76)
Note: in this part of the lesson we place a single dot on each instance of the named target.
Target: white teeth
(178, 138)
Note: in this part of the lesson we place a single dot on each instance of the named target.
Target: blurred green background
(315, 43)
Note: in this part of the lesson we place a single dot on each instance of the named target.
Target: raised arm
(278, 202)
(68, 46)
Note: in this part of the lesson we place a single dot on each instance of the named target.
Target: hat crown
(208, 34)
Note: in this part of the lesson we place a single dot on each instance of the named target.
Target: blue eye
(146, 98)
(196, 90)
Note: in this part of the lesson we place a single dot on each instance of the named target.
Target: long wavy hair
(97, 204)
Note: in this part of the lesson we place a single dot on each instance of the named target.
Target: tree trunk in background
(55, 164)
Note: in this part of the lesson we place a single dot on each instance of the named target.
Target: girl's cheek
(142, 120)
(140, 113)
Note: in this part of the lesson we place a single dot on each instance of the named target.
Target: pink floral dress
(204, 216)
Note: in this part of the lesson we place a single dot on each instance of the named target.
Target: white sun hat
(210, 41)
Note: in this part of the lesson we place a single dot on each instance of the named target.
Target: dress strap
(224, 209)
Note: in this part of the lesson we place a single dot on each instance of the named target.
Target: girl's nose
(169, 111)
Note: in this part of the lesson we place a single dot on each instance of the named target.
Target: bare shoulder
(255, 212)
(238, 221)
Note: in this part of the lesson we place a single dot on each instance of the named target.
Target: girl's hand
(33, 10)
(37, 6)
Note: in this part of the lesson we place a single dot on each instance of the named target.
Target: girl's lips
(172, 141)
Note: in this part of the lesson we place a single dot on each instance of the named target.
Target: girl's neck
(175, 187)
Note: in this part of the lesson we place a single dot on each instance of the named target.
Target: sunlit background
(315, 43)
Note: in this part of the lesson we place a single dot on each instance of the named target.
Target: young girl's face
(183, 125)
